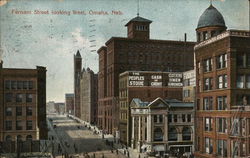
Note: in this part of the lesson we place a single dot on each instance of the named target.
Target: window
(222, 148)
(222, 125)
(7, 84)
(207, 65)
(175, 118)
(189, 117)
(13, 84)
(208, 145)
(170, 118)
(160, 119)
(222, 81)
(29, 98)
(186, 82)
(186, 133)
(221, 103)
(8, 125)
(8, 97)
(240, 60)
(19, 125)
(29, 111)
(208, 124)
(18, 111)
(208, 103)
(158, 134)
(248, 80)
(240, 81)
(8, 111)
(205, 35)
(186, 93)
(172, 134)
(25, 84)
(29, 125)
(19, 84)
(183, 118)
(221, 61)
(19, 138)
(30, 83)
(208, 83)
(155, 118)
(19, 98)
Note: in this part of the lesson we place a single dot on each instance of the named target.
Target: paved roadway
(70, 134)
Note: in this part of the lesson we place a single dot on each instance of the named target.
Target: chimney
(185, 37)
(1, 64)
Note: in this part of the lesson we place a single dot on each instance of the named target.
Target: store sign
(136, 80)
(156, 80)
(175, 80)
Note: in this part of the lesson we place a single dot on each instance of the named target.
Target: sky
(51, 40)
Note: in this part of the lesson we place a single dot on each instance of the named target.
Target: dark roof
(139, 19)
(78, 54)
(177, 103)
(211, 17)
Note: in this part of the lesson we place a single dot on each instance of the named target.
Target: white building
(162, 127)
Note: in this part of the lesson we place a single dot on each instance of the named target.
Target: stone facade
(162, 127)
(88, 96)
(135, 53)
(146, 85)
(77, 76)
(23, 103)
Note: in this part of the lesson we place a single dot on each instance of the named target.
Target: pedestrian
(102, 155)
(117, 151)
(128, 153)
(94, 155)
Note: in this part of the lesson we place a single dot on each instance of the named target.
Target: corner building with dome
(222, 59)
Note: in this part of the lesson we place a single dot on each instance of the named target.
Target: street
(77, 140)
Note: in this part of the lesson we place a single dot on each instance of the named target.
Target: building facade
(189, 83)
(137, 52)
(69, 103)
(23, 104)
(162, 127)
(146, 85)
(88, 96)
(222, 88)
(77, 76)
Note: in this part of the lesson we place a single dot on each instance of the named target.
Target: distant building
(50, 107)
(189, 83)
(162, 127)
(23, 104)
(222, 88)
(146, 85)
(136, 52)
(60, 108)
(77, 76)
(88, 96)
(69, 103)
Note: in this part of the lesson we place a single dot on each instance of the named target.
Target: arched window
(28, 137)
(186, 133)
(19, 138)
(8, 138)
(172, 134)
(158, 134)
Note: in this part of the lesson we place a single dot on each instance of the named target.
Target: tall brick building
(23, 104)
(137, 52)
(222, 88)
(77, 76)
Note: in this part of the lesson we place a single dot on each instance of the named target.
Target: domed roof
(211, 17)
